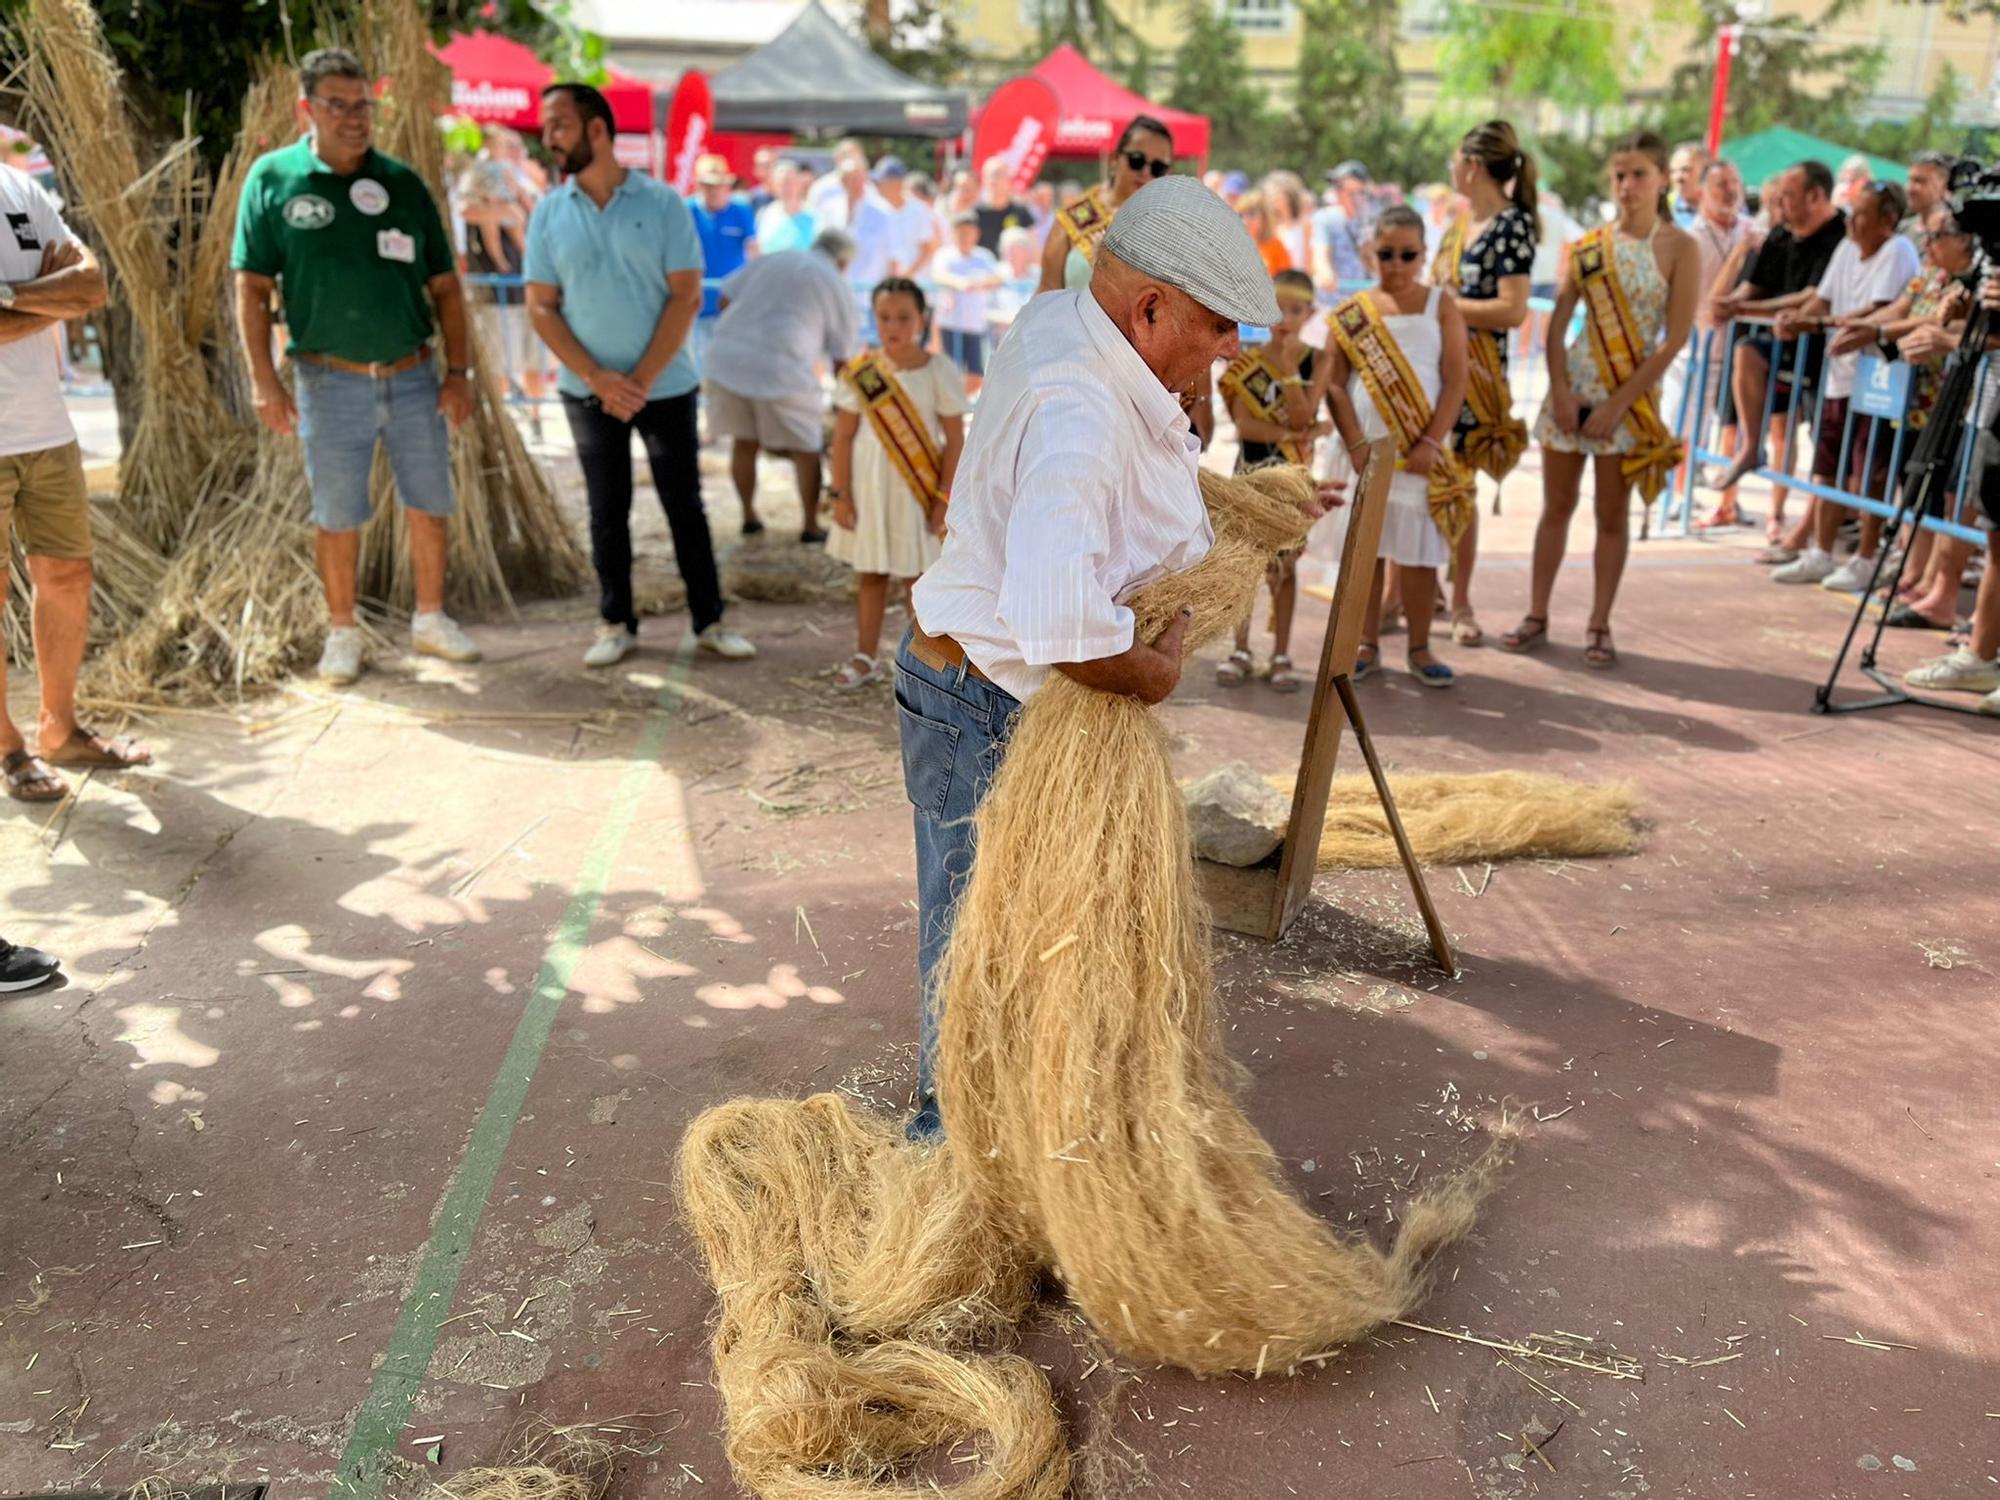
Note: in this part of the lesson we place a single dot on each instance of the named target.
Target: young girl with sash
(1638, 281)
(1485, 260)
(1267, 391)
(899, 427)
(1395, 360)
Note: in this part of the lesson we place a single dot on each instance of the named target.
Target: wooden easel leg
(1440, 944)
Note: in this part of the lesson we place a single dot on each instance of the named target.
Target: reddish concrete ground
(1762, 1048)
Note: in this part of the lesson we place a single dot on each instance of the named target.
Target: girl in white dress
(1426, 326)
(881, 528)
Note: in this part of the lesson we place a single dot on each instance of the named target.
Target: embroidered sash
(1615, 345)
(1085, 221)
(1251, 380)
(1497, 438)
(898, 424)
(1379, 360)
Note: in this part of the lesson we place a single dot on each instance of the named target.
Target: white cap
(1176, 230)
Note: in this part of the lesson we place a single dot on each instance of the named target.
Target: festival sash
(1379, 360)
(1251, 380)
(1085, 221)
(1614, 344)
(899, 425)
(1497, 438)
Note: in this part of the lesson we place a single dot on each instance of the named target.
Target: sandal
(88, 748)
(1366, 660)
(858, 670)
(753, 527)
(1521, 638)
(1236, 671)
(1430, 674)
(1465, 629)
(1725, 517)
(1903, 617)
(1598, 650)
(30, 778)
(1283, 678)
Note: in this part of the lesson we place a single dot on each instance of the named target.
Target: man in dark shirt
(998, 210)
(1784, 275)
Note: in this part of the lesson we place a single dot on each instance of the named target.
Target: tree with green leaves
(918, 37)
(1349, 93)
(1783, 73)
(1211, 77)
(1575, 56)
(1097, 30)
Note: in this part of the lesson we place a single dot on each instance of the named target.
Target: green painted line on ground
(386, 1409)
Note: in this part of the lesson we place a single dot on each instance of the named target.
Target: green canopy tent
(1771, 151)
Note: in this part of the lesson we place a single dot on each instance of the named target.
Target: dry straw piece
(1494, 815)
(1092, 1135)
(552, 1463)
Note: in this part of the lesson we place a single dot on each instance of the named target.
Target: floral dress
(1506, 247)
(1927, 293)
(1646, 290)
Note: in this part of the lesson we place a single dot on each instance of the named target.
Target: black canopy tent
(817, 78)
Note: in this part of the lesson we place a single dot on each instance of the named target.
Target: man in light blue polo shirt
(614, 267)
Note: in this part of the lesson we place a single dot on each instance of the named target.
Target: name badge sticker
(393, 244)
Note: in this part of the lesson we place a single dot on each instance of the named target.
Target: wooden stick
(1433, 924)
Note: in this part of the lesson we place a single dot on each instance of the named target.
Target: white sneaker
(1962, 671)
(340, 658)
(613, 644)
(723, 641)
(1811, 566)
(439, 635)
(1851, 577)
(1990, 704)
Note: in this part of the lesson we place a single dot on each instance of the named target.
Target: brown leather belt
(377, 371)
(941, 653)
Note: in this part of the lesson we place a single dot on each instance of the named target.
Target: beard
(576, 158)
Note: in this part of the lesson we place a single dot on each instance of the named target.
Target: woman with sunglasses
(1485, 260)
(1144, 152)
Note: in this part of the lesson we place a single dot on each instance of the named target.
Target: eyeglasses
(346, 109)
(1405, 256)
(1139, 161)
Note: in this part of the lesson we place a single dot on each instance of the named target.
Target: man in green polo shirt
(352, 241)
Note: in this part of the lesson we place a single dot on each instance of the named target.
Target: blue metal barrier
(1894, 414)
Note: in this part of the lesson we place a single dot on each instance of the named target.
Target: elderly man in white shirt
(1078, 485)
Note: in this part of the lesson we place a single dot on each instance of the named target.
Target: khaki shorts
(43, 495)
(779, 424)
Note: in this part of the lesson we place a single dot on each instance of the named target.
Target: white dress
(890, 535)
(1410, 537)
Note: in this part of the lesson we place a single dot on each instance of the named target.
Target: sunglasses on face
(1405, 256)
(344, 109)
(1139, 161)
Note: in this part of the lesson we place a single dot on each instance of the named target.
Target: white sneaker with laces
(613, 644)
(723, 641)
(340, 658)
(438, 635)
(1812, 566)
(1962, 671)
(1851, 577)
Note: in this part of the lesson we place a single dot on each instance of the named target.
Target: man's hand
(1989, 291)
(1332, 493)
(275, 409)
(618, 394)
(1857, 336)
(1148, 673)
(1788, 325)
(1927, 342)
(455, 399)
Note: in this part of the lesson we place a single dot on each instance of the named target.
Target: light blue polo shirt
(611, 265)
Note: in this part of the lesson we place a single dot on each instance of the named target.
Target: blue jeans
(955, 729)
(966, 350)
(341, 417)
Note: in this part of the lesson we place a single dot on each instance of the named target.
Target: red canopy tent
(1095, 110)
(500, 82)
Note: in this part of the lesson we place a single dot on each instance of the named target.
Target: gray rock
(1869, 1462)
(1235, 816)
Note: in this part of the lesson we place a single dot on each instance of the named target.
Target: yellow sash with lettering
(1251, 380)
(1614, 344)
(1498, 438)
(898, 424)
(1085, 221)
(1379, 360)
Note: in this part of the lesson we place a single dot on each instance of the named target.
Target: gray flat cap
(1176, 230)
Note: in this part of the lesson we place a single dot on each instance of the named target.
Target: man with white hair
(1077, 485)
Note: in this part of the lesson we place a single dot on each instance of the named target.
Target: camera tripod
(1928, 473)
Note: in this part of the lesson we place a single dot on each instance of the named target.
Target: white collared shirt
(1077, 486)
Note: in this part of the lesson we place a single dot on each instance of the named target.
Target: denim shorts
(342, 415)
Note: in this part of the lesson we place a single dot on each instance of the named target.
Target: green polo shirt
(351, 253)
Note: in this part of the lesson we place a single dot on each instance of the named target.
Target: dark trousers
(604, 449)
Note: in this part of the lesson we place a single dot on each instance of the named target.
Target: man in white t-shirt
(47, 275)
(1870, 267)
(893, 232)
(968, 274)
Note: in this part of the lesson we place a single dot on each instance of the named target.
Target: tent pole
(1725, 53)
